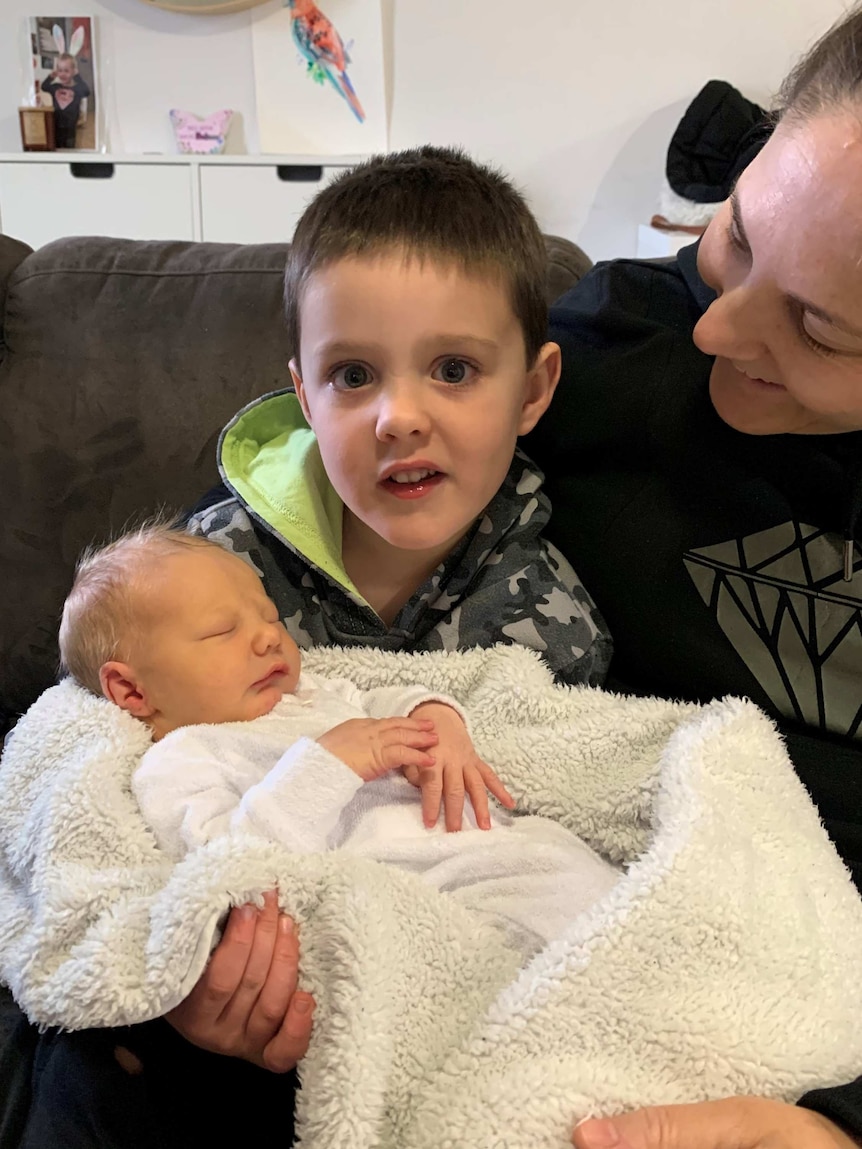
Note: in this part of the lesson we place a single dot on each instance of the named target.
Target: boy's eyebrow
(342, 347)
(444, 339)
(477, 340)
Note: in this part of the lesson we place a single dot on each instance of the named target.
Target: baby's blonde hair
(102, 616)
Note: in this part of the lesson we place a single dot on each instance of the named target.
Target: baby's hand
(458, 771)
(374, 746)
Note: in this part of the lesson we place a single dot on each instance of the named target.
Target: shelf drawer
(44, 201)
(257, 203)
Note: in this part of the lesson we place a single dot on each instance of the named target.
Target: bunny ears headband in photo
(75, 44)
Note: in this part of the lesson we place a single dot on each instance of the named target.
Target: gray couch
(119, 363)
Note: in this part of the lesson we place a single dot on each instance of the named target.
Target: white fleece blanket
(727, 959)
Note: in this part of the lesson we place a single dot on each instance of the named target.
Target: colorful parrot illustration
(319, 42)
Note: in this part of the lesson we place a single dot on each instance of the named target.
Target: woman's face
(784, 255)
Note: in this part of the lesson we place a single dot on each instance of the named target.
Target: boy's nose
(401, 411)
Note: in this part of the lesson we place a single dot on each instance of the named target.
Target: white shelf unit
(226, 198)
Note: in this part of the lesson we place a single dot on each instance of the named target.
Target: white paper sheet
(305, 103)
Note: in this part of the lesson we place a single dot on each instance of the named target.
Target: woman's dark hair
(829, 75)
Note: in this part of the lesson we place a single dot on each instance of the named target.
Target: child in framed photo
(64, 77)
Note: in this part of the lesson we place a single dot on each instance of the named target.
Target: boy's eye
(454, 371)
(350, 376)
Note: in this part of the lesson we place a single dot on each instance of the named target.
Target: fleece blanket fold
(727, 958)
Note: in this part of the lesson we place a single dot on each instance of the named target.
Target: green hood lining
(269, 456)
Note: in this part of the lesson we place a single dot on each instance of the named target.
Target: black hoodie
(717, 558)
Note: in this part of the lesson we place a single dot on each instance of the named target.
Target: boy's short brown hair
(430, 203)
(101, 617)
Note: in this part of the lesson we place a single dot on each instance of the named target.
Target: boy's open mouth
(412, 483)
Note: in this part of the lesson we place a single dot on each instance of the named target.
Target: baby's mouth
(281, 670)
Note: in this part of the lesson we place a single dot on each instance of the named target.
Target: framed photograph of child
(63, 62)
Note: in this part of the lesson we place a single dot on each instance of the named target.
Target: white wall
(576, 98)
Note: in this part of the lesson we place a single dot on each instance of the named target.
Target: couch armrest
(12, 252)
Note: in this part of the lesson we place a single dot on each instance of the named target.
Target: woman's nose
(733, 326)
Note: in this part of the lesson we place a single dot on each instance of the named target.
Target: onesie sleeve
(189, 795)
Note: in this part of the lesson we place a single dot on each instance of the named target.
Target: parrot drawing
(317, 39)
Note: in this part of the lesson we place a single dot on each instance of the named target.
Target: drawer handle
(92, 171)
(299, 173)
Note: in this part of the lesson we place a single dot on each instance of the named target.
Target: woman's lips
(757, 381)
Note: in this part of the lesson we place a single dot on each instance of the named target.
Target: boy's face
(415, 382)
(215, 650)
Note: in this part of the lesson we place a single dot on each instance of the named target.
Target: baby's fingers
(454, 791)
(412, 774)
(410, 732)
(475, 787)
(494, 785)
(430, 782)
(406, 732)
(415, 762)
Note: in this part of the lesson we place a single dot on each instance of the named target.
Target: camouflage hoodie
(501, 583)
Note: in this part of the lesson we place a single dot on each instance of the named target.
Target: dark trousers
(68, 1091)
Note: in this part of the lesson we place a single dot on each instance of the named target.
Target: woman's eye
(736, 241)
(351, 376)
(815, 344)
(454, 371)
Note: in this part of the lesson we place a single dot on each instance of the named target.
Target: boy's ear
(300, 389)
(542, 379)
(122, 686)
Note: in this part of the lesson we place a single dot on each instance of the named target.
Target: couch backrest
(121, 361)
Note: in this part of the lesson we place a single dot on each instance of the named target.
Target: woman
(704, 460)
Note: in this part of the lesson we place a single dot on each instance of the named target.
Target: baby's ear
(120, 685)
(542, 379)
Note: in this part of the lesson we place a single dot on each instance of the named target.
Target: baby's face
(215, 649)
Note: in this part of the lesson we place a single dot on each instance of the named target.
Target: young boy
(181, 634)
(385, 503)
(405, 519)
(67, 89)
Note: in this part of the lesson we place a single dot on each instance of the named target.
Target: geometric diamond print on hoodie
(780, 598)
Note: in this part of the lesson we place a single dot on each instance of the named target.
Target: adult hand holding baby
(246, 1004)
(731, 1123)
